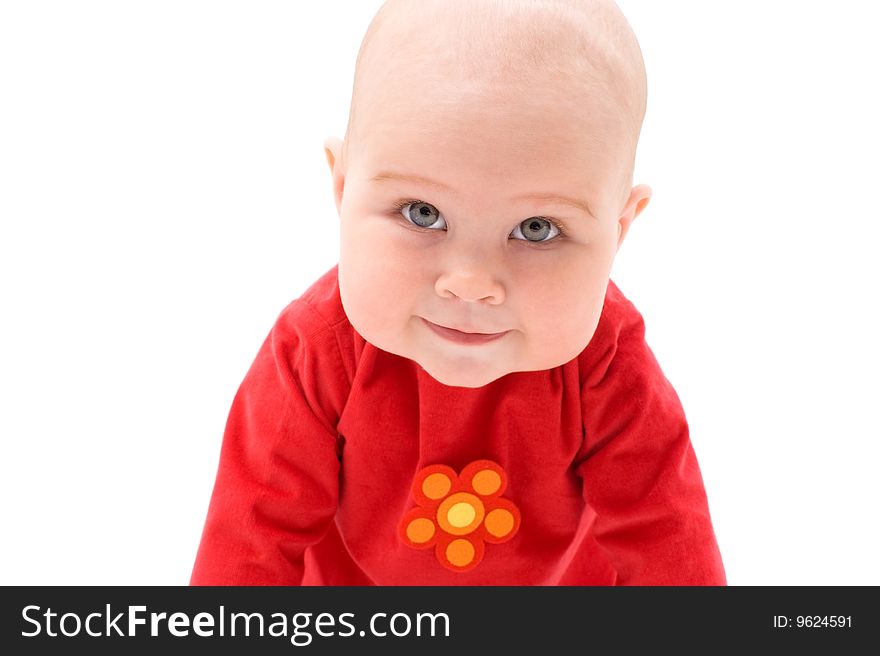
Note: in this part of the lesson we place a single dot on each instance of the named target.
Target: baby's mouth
(463, 336)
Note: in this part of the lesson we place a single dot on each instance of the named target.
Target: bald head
(579, 56)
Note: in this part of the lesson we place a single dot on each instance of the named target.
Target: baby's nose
(470, 286)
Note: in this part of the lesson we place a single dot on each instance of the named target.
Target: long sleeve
(638, 467)
(276, 489)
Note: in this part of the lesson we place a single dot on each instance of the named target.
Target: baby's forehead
(478, 157)
(484, 39)
(480, 55)
(524, 120)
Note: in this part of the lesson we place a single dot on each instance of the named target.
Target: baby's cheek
(546, 296)
(563, 316)
(373, 293)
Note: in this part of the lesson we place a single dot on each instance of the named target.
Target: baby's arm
(276, 488)
(639, 470)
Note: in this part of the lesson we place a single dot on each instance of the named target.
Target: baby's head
(485, 180)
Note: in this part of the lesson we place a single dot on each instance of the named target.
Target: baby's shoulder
(619, 337)
(317, 325)
(318, 308)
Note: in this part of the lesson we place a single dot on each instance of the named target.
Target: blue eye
(421, 214)
(536, 229)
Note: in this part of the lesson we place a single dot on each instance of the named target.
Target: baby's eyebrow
(549, 197)
(581, 205)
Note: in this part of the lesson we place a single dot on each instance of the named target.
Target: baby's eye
(423, 215)
(536, 229)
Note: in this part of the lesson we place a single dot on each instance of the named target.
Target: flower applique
(458, 513)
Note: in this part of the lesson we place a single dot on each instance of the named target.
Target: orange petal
(432, 483)
(485, 477)
(460, 554)
(502, 521)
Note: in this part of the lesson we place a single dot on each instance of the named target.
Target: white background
(164, 194)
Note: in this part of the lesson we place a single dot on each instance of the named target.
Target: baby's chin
(452, 377)
(463, 371)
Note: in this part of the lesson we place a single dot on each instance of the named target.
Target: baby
(466, 398)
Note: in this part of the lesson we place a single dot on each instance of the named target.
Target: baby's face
(480, 213)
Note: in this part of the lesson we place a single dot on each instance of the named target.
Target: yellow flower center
(460, 513)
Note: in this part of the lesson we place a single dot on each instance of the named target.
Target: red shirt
(343, 464)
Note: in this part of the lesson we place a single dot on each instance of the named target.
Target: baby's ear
(639, 198)
(333, 153)
(332, 150)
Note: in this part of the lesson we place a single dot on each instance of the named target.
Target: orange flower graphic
(457, 513)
